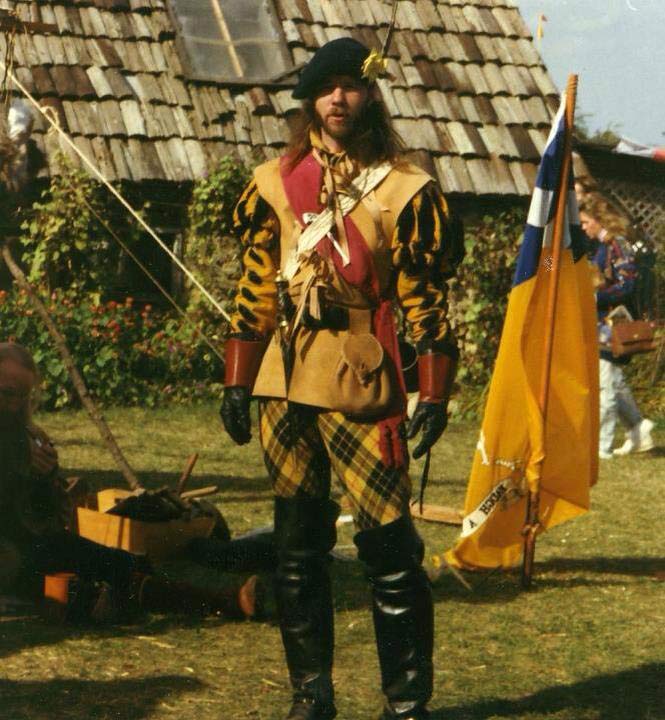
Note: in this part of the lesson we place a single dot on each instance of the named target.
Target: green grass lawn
(587, 643)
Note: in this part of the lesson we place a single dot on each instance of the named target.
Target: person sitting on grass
(33, 538)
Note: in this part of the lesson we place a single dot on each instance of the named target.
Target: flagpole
(532, 522)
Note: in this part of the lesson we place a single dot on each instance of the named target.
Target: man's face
(338, 104)
(16, 384)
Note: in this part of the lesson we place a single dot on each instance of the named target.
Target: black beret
(344, 56)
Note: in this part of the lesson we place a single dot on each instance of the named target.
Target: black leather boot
(403, 616)
(304, 535)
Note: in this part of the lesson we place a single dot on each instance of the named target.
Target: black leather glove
(432, 419)
(235, 414)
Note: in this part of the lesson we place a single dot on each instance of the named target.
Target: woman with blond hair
(612, 256)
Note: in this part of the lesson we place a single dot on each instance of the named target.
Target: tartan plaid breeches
(300, 455)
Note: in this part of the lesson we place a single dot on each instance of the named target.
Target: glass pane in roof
(231, 39)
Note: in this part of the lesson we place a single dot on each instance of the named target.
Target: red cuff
(436, 374)
(242, 361)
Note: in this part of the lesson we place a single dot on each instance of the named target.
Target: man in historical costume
(34, 540)
(387, 236)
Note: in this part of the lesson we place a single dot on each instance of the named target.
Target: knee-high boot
(304, 534)
(403, 616)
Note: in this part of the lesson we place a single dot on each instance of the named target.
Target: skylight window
(231, 40)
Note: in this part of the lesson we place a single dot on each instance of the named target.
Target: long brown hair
(373, 139)
(609, 218)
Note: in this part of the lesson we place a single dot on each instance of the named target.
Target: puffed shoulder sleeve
(428, 246)
(257, 228)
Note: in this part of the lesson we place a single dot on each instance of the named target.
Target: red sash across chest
(302, 185)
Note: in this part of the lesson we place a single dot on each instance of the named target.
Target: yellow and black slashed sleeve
(256, 300)
(428, 245)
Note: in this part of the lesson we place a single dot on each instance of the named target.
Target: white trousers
(616, 401)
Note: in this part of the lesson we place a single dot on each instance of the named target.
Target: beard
(339, 127)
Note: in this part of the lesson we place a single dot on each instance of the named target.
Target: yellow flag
(516, 450)
(540, 29)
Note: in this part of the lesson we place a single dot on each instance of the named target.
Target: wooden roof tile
(167, 120)
(488, 21)
(447, 18)
(501, 177)
(426, 73)
(387, 96)
(494, 78)
(273, 130)
(413, 77)
(142, 29)
(480, 173)
(316, 11)
(470, 110)
(104, 160)
(524, 176)
(420, 103)
(65, 86)
(380, 11)
(109, 112)
(197, 158)
(524, 144)
(538, 138)
(481, 81)
(403, 100)
(463, 84)
(427, 11)
(132, 117)
(304, 12)
(43, 81)
(56, 50)
(528, 52)
(438, 48)
(440, 106)
(99, 82)
(453, 174)
(88, 119)
(72, 118)
(55, 110)
(483, 108)
(514, 81)
(408, 17)
(466, 139)
(543, 81)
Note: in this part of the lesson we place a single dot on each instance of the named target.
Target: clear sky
(617, 47)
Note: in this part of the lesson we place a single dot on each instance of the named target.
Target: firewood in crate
(164, 504)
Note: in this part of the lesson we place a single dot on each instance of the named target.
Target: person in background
(33, 539)
(615, 280)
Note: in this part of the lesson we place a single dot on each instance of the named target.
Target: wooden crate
(160, 540)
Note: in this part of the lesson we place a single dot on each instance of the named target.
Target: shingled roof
(470, 94)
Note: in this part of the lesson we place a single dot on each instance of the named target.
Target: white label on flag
(487, 506)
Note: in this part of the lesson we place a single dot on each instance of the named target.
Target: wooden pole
(61, 345)
(532, 523)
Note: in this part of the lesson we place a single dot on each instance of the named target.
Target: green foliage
(126, 352)
(211, 251)
(479, 293)
(62, 239)
(127, 355)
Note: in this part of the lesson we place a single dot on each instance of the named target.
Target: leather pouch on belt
(364, 387)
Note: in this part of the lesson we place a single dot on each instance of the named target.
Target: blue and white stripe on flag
(540, 221)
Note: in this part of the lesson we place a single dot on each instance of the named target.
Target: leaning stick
(532, 524)
(186, 473)
(61, 345)
(200, 492)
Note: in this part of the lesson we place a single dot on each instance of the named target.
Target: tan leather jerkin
(318, 354)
